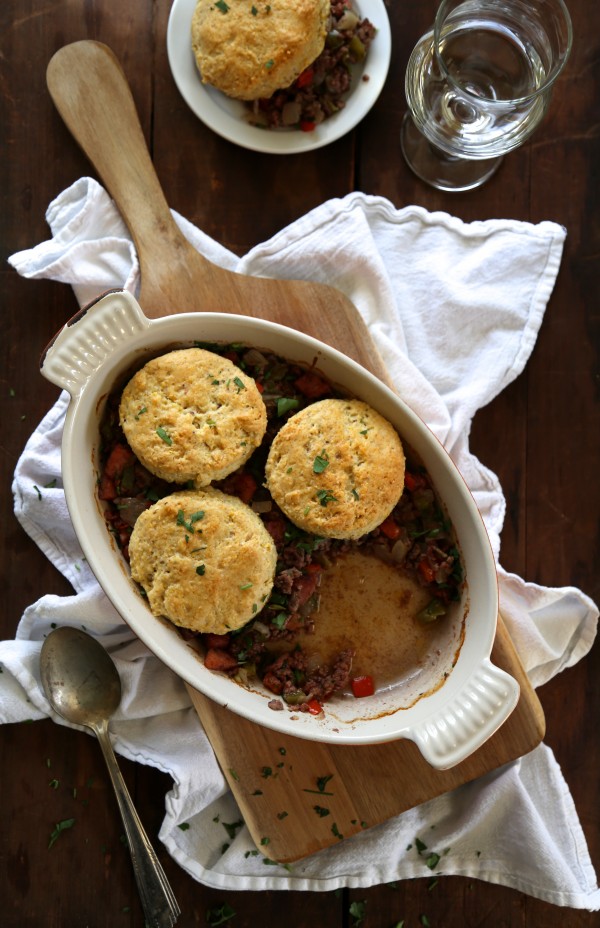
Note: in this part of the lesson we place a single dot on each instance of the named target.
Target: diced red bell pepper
(312, 386)
(426, 570)
(314, 707)
(305, 79)
(414, 481)
(390, 528)
(362, 686)
(217, 659)
(307, 125)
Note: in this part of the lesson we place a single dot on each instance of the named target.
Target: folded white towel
(455, 310)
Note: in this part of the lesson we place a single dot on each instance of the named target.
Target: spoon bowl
(83, 686)
(79, 677)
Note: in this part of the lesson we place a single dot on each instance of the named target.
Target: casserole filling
(415, 546)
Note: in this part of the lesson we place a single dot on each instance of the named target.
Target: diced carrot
(107, 488)
(273, 683)
(119, 458)
(245, 486)
(211, 640)
(217, 659)
(390, 528)
(311, 385)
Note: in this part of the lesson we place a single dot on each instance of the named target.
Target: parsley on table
(219, 915)
(58, 830)
(358, 911)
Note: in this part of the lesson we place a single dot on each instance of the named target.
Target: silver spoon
(83, 685)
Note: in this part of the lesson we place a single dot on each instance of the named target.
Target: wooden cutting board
(296, 796)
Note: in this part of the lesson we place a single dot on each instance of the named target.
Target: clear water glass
(478, 84)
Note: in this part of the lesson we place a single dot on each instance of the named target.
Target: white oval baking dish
(89, 356)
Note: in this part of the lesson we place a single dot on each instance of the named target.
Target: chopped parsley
(321, 462)
(358, 911)
(219, 915)
(239, 383)
(189, 525)
(201, 570)
(164, 435)
(222, 6)
(58, 830)
(324, 497)
(286, 404)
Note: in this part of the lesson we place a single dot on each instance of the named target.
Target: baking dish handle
(466, 723)
(94, 334)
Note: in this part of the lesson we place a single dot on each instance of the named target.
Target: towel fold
(454, 309)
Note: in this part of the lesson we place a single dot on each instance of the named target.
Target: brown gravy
(370, 606)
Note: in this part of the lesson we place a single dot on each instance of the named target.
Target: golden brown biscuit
(249, 50)
(336, 468)
(191, 415)
(204, 559)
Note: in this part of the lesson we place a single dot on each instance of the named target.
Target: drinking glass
(478, 84)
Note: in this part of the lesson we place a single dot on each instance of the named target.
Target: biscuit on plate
(249, 50)
(204, 559)
(191, 415)
(336, 468)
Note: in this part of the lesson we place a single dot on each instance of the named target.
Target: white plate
(226, 117)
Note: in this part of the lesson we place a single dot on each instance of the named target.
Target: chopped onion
(349, 20)
(399, 550)
(264, 505)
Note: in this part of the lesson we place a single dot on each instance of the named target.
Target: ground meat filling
(321, 89)
(416, 538)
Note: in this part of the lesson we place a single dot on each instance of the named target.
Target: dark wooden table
(541, 436)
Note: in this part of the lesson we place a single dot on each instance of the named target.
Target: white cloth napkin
(455, 310)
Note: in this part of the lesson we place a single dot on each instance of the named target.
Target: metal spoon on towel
(83, 686)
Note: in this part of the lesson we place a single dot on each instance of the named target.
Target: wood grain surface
(541, 436)
(91, 93)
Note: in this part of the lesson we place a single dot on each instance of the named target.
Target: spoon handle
(158, 901)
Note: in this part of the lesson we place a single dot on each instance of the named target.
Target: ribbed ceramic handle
(464, 724)
(84, 344)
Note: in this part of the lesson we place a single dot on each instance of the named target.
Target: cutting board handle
(91, 93)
